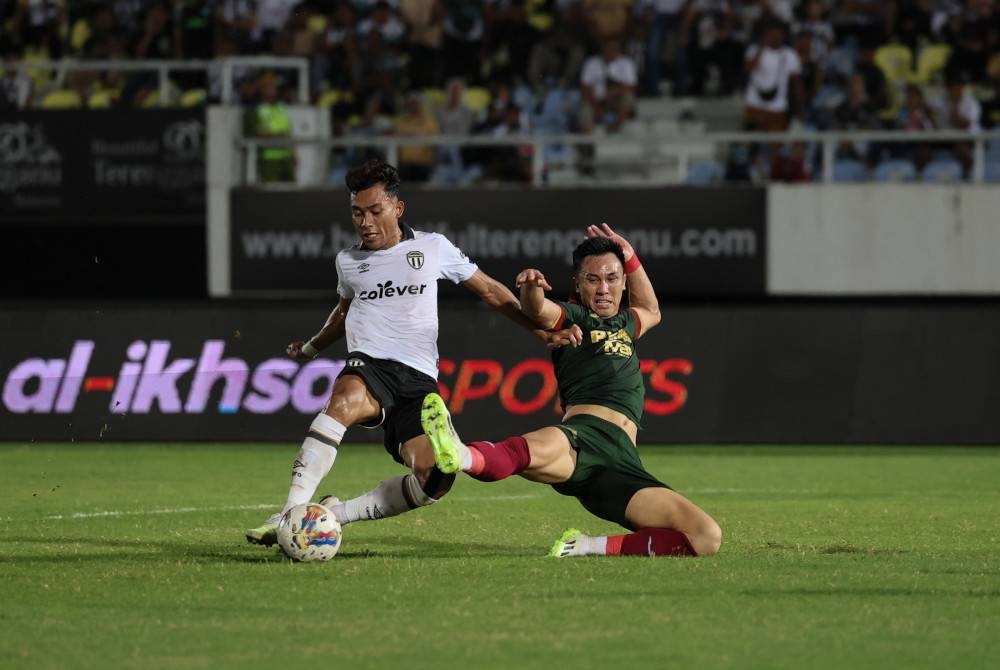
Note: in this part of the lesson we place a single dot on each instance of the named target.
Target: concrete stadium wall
(865, 239)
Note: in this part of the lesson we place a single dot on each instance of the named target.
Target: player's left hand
(566, 337)
(604, 230)
(532, 276)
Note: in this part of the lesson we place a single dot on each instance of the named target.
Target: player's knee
(708, 539)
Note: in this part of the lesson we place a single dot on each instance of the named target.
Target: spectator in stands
(812, 73)
(856, 113)
(385, 21)
(157, 35)
(774, 88)
(916, 115)
(381, 70)
(975, 37)
(455, 118)
(876, 85)
(708, 39)
(416, 162)
(665, 20)
(608, 82)
(556, 59)
(235, 19)
(820, 31)
(41, 22)
(958, 109)
(271, 18)
(271, 119)
(194, 32)
(512, 38)
(789, 164)
(15, 85)
(342, 62)
(424, 20)
(466, 28)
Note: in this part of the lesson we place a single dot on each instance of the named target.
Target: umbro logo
(415, 259)
(354, 362)
(364, 267)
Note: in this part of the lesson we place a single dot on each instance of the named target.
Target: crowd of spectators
(499, 67)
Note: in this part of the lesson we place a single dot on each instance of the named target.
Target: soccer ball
(309, 532)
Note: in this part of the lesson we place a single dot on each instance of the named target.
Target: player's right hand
(533, 277)
(566, 337)
(294, 351)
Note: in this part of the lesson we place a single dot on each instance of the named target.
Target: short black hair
(596, 246)
(371, 172)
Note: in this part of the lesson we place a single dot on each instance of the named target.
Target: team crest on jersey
(364, 267)
(415, 259)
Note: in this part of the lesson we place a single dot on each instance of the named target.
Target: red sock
(493, 461)
(650, 542)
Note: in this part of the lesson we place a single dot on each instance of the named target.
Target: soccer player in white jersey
(388, 311)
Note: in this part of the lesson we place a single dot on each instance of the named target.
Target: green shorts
(608, 470)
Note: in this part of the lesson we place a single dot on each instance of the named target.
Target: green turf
(833, 558)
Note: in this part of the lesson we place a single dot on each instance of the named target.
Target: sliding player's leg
(544, 455)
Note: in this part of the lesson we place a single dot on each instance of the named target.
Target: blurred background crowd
(504, 67)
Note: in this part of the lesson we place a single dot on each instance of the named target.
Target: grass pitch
(132, 556)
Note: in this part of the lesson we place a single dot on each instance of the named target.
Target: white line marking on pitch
(231, 508)
(145, 512)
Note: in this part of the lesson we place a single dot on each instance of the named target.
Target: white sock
(464, 457)
(314, 459)
(587, 545)
(390, 498)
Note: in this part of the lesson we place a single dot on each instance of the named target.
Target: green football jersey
(604, 369)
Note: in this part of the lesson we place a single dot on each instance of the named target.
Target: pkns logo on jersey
(149, 380)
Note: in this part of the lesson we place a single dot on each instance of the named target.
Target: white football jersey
(393, 294)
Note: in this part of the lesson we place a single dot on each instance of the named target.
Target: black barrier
(695, 241)
(772, 373)
(109, 166)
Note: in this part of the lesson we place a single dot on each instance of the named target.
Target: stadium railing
(644, 154)
(164, 68)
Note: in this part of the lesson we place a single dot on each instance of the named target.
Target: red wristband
(632, 264)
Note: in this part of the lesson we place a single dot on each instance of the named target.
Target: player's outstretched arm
(543, 312)
(332, 330)
(642, 296)
(497, 296)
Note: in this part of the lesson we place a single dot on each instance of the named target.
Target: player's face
(600, 283)
(375, 215)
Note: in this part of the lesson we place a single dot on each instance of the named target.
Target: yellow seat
(194, 97)
(931, 60)
(62, 98)
(896, 61)
(476, 98)
(102, 98)
(434, 98)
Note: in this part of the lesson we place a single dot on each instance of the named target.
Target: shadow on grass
(59, 550)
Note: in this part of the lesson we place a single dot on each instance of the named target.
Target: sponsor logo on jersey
(616, 343)
(415, 259)
(364, 267)
(389, 290)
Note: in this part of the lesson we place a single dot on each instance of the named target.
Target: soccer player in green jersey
(592, 454)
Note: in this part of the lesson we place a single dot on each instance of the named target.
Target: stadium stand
(521, 62)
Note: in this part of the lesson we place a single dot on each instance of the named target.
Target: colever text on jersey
(387, 290)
